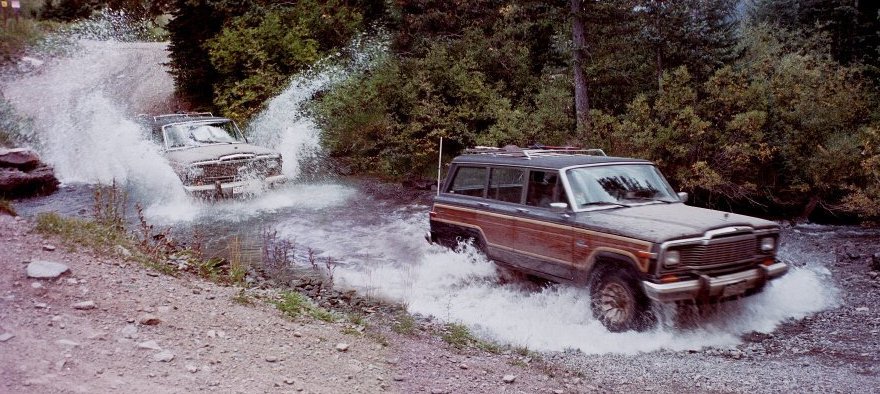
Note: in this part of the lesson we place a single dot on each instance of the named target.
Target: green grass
(242, 298)
(405, 324)
(458, 335)
(100, 237)
(296, 305)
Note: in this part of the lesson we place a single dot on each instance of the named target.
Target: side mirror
(683, 196)
(558, 207)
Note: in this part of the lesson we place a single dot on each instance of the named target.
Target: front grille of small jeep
(720, 252)
(231, 171)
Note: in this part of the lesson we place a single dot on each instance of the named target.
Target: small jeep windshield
(616, 185)
(198, 134)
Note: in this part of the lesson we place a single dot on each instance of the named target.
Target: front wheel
(618, 302)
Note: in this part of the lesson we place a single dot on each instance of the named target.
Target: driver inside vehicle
(543, 189)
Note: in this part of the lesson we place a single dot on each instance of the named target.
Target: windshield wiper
(604, 203)
(648, 199)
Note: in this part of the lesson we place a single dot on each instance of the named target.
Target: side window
(469, 181)
(506, 184)
(543, 188)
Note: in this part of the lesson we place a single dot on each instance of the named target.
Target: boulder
(15, 183)
(45, 269)
(19, 158)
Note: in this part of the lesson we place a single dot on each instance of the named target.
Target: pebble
(85, 305)
(45, 269)
(509, 378)
(6, 336)
(72, 281)
(49, 248)
(271, 359)
(342, 347)
(36, 285)
(122, 251)
(129, 331)
(149, 320)
(67, 342)
(863, 309)
(297, 334)
(397, 378)
(41, 305)
(192, 368)
(289, 381)
(163, 356)
(150, 345)
(463, 366)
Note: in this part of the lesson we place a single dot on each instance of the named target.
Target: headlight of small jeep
(768, 244)
(671, 258)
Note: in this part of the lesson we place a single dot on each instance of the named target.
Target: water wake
(390, 260)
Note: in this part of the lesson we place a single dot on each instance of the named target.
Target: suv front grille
(720, 252)
(229, 171)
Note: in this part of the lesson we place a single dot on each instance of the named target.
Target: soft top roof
(549, 162)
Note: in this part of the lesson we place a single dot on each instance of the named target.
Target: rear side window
(506, 184)
(469, 181)
(544, 188)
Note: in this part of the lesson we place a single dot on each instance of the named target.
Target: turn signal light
(768, 261)
(668, 279)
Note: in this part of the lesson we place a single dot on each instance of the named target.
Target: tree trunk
(581, 97)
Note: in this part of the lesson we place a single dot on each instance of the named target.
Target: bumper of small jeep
(235, 188)
(708, 288)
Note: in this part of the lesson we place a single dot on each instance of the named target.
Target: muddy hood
(664, 222)
(215, 152)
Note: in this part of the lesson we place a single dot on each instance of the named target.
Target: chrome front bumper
(232, 188)
(714, 288)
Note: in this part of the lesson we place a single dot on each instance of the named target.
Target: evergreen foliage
(771, 107)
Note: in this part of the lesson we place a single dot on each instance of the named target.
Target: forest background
(762, 106)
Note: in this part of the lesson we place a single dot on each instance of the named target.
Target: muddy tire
(618, 301)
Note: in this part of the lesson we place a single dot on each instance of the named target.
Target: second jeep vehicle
(612, 224)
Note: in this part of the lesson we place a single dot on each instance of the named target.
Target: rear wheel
(618, 302)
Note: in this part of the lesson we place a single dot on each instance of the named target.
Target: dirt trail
(216, 344)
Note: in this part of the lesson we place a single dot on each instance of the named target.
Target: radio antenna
(439, 164)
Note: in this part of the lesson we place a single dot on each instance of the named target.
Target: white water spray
(389, 259)
(82, 109)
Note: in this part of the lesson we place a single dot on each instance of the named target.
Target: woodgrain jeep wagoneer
(613, 224)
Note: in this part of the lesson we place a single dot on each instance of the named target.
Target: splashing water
(77, 106)
(389, 259)
(285, 124)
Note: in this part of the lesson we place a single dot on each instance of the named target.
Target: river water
(83, 108)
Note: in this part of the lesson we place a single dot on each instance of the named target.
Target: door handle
(483, 204)
(522, 210)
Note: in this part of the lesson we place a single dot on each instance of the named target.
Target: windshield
(199, 134)
(618, 185)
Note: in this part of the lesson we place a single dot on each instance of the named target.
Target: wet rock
(342, 347)
(163, 356)
(45, 269)
(149, 319)
(37, 182)
(84, 305)
(149, 345)
(6, 336)
(508, 378)
(19, 158)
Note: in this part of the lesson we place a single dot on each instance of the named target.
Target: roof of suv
(545, 161)
(162, 120)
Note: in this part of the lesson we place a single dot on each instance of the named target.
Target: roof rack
(531, 152)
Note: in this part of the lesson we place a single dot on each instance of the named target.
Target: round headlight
(768, 244)
(671, 258)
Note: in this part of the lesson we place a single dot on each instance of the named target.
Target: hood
(215, 152)
(664, 222)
